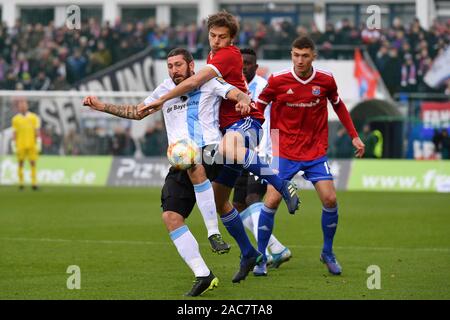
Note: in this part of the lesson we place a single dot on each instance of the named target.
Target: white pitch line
(154, 243)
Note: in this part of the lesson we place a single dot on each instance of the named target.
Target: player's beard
(178, 78)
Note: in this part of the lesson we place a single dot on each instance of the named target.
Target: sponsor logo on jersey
(175, 107)
(316, 90)
(290, 91)
(303, 104)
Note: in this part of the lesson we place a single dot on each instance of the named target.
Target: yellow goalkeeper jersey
(25, 127)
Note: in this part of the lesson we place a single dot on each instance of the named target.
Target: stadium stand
(38, 57)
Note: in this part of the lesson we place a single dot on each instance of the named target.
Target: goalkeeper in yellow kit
(26, 142)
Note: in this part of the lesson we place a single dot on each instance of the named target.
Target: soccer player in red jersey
(299, 98)
(240, 133)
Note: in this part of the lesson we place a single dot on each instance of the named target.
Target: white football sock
(207, 206)
(246, 217)
(188, 249)
(275, 246)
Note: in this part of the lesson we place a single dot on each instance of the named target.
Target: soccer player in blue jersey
(249, 189)
(194, 116)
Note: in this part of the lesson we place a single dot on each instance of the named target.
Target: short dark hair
(224, 19)
(304, 42)
(187, 56)
(248, 51)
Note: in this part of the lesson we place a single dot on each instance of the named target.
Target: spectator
(343, 145)
(245, 35)
(192, 38)
(122, 143)
(409, 75)
(60, 83)
(381, 59)
(72, 143)
(21, 65)
(42, 82)
(3, 69)
(447, 88)
(76, 66)
(392, 73)
(445, 144)
(103, 142)
(51, 142)
(10, 82)
(149, 143)
(159, 41)
(315, 33)
(101, 58)
(373, 139)
(424, 64)
(26, 81)
(437, 142)
(343, 36)
(154, 142)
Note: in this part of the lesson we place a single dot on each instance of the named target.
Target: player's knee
(239, 206)
(252, 199)
(330, 201)
(172, 220)
(273, 198)
(222, 208)
(197, 174)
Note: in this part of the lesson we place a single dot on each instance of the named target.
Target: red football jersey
(299, 111)
(227, 62)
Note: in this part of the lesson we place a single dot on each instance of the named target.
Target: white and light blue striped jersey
(255, 87)
(195, 115)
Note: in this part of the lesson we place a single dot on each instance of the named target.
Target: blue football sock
(265, 227)
(232, 221)
(329, 225)
(261, 168)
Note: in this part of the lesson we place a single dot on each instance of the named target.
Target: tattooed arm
(126, 111)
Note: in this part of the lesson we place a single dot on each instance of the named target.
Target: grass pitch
(117, 238)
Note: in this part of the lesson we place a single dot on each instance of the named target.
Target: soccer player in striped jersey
(196, 116)
(299, 98)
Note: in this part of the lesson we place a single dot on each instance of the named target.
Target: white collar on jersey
(303, 81)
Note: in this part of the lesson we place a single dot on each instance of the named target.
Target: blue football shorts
(314, 170)
(252, 131)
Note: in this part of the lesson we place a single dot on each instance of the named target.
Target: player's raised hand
(94, 103)
(360, 147)
(150, 108)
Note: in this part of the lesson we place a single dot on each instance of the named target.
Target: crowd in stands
(37, 57)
